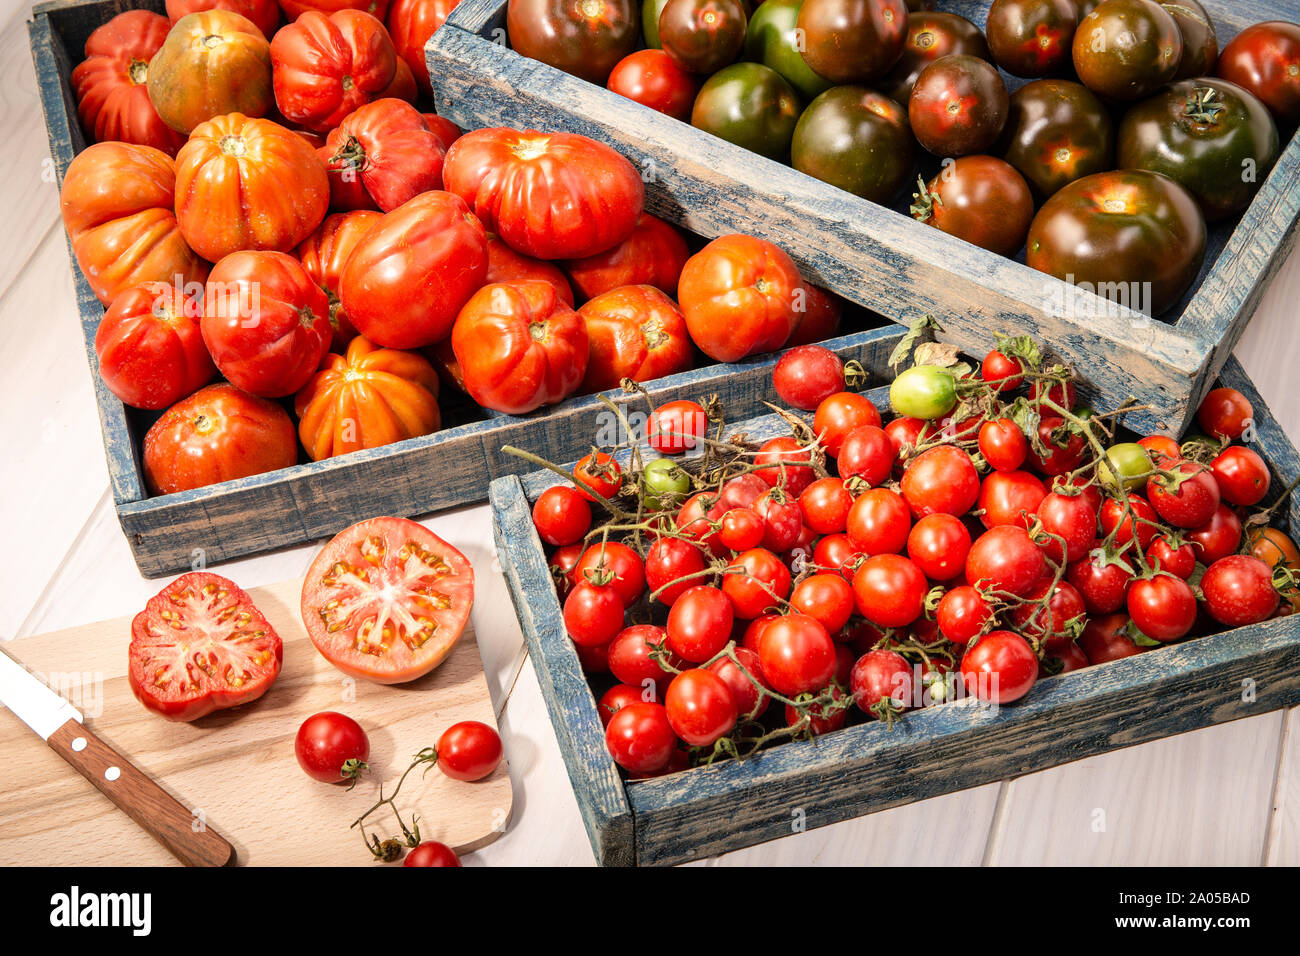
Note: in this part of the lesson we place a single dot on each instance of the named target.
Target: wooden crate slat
(596, 781)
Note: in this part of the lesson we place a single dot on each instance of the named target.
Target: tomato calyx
(1203, 106)
(350, 155)
(352, 770)
(923, 208)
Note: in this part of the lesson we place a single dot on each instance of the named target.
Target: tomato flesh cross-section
(387, 599)
(201, 645)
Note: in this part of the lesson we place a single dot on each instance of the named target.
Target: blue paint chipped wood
(313, 500)
(932, 751)
(880, 257)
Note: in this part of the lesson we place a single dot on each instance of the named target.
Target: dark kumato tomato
(853, 41)
(583, 37)
(1127, 49)
(856, 139)
(1145, 238)
(1032, 37)
(958, 106)
(773, 40)
(1212, 136)
(980, 199)
(1200, 41)
(702, 36)
(1265, 59)
(930, 36)
(750, 105)
(1057, 131)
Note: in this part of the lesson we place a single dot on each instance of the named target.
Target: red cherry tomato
(1104, 585)
(601, 473)
(1072, 519)
(889, 590)
(431, 853)
(593, 614)
(1001, 667)
(700, 707)
(1003, 444)
(1242, 476)
(825, 505)
(826, 597)
(561, 515)
(619, 563)
(1010, 498)
(754, 582)
(879, 522)
(676, 427)
(1224, 413)
(671, 560)
(331, 747)
(839, 414)
(1006, 559)
(868, 454)
(881, 683)
(942, 480)
(1239, 590)
(640, 738)
(777, 465)
(1002, 372)
(1218, 537)
(806, 376)
(742, 529)
(796, 654)
(751, 699)
(699, 624)
(1162, 607)
(469, 750)
(938, 544)
(1107, 639)
(963, 614)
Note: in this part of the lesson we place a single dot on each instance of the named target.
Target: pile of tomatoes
(993, 533)
(1132, 130)
(266, 204)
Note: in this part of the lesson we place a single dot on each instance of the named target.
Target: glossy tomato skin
(856, 139)
(779, 459)
(1242, 475)
(1145, 233)
(1127, 49)
(388, 148)
(150, 346)
(635, 332)
(112, 98)
(963, 614)
(771, 39)
(410, 25)
(248, 184)
(1003, 444)
(750, 105)
(853, 41)
(931, 36)
(958, 106)
(324, 67)
(1057, 131)
(675, 427)
(737, 295)
(217, 434)
(654, 254)
(293, 9)
(1200, 40)
(1162, 607)
(866, 453)
(630, 659)
(1225, 413)
(212, 63)
(265, 322)
(817, 317)
(619, 563)
(889, 590)
(326, 742)
(796, 654)
(227, 627)
(699, 623)
(668, 564)
(1006, 558)
(118, 196)
(701, 707)
(469, 750)
(409, 275)
(879, 522)
(1194, 501)
(1010, 498)
(365, 399)
(549, 195)
(653, 79)
(640, 738)
(324, 254)
(1205, 134)
(431, 853)
(941, 480)
(506, 265)
(583, 37)
(1032, 37)
(1239, 590)
(265, 14)
(938, 545)
(401, 560)
(1265, 59)
(981, 199)
(1071, 518)
(561, 515)
(1001, 667)
(702, 36)
(519, 347)
(838, 415)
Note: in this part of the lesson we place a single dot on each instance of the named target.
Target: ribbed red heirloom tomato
(265, 14)
(410, 24)
(634, 332)
(265, 322)
(226, 631)
(549, 195)
(389, 149)
(651, 78)
(653, 255)
(366, 600)
(246, 183)
(217, 434)
(110, 83)
(506, 265)
(324, 254)
(118, 196)
(519, 347)
(150, 347)
(409, 275)
(324, 67)
(738, 294)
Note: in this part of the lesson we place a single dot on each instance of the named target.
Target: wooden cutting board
(235, 769)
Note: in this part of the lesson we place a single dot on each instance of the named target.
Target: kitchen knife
(58, 723)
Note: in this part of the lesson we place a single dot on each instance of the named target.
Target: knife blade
(60, 725)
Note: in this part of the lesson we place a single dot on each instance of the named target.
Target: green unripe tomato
(1130, 461)
(664, 484)
(924, 391)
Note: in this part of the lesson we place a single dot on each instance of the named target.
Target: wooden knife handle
(148, 804)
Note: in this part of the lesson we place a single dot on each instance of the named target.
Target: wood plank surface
(235, 769)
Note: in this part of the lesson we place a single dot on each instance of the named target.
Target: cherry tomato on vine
(619, 563)
(938, 545)
(432, 853)
(879, 522)
(1103, 584)
(806, 376)
(1239, 590)
(889, 590)
(1107, 639)
(866, 453)
(825, 505)
(1162, 607)
(640, 738)
(881, 682)
(699, 624)
(593, 614)
(700, 707)
(1003, 444)
(796, 654)
(601, 473)
(1218, 537)
(826, 597)
(941, 480)
(670, 564)
(839, 414)
(1000, 667)
(331, 748)
(677, 427)
(963, 614)
(751, 700)
(562, 515)
(777, 462)
(1006, 559)
(755, 581)
(1242, 475)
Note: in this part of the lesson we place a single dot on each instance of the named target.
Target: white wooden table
(1225, 795)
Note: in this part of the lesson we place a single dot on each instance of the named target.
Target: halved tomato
(200, 645)
(387, 599)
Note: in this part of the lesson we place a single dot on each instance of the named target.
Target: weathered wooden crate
(170, 533)
(879, 256)
(868, 767)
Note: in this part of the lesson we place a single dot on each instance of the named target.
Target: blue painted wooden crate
(171, 533)
(880, 257)
(868, 767)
